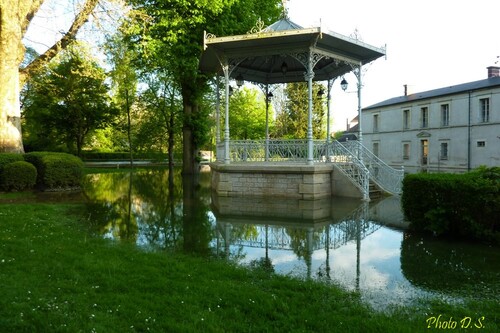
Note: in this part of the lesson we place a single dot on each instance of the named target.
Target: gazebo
(285, 52)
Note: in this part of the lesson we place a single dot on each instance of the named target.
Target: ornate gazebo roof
(280, 53)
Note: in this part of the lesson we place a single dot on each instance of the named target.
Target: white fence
(351, 157)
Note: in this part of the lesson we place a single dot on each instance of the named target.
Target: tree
(161, 112)
(16, 15)
(292, 122)
(175, 33)
(68, 100)
(124, 80)
(247, 118)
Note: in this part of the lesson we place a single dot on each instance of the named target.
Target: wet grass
(56, 278)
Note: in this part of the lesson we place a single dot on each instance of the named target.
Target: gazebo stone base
(299, 181)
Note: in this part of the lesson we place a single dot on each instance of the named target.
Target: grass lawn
(56, 278)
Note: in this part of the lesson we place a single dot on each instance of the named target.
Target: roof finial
(285, 8)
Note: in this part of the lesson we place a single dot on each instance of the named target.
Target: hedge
(113, 156)
(463, 205)
(56, 170)
(6, 158)
(18, 176)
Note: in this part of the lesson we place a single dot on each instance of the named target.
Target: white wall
(391, 135)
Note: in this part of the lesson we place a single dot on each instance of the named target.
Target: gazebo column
(267, 123)
(267, 95)
(358, 76)
(227, 159)
(328, 107)
(310, 147)
(228, 65)
(217, 112)
(309, 60)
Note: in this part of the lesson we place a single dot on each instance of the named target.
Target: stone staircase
(374, 191)
(370, 174)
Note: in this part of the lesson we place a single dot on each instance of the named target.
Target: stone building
(452, 129)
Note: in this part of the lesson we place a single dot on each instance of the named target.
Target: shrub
(18, 176)
(56, 170)
(465, 205)
(112, 156)
(6, 158)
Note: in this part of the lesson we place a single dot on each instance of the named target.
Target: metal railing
(350, 165)
(354, 226)
(353, 159)
(386, 177)
(273, 150)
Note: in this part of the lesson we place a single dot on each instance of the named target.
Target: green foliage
(247, 115)
(116, 156)
(6, 158)
(160, 105)
(56, 170)
(293, 122)
(18, 176)
(66, 101)
(463, 205)
(124, 83)
(171, 39)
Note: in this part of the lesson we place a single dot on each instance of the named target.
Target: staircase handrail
(386, 177)
(350, 165)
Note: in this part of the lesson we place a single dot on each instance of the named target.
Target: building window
(375, 149)
(481, 144)
(484, 110)
(406, 151)
(443, 153)
(424, 117)
(375, 122)
(445, 115)
(406, 119)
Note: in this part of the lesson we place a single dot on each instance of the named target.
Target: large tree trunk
(15, 16)
(190, 162)
(11, 55)
(189, 150)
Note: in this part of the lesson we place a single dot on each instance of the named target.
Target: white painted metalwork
(353, 227)
(386, 177)
(277, 150)
(350, 165)
(354, 160)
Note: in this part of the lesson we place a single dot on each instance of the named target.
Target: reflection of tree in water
(161, 208)
(151, 207)
(197, 229)
(110, 207)
(442, 265)
(303, 242)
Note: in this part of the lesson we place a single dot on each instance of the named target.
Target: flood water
(362, 247)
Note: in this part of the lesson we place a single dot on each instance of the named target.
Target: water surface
(358, 246)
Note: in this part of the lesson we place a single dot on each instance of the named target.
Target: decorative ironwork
(354, 160)
(386, 177)
(353, 226)
(259, 26)
(308, 59)
(210, 35)
(350, 165)
(278, 150)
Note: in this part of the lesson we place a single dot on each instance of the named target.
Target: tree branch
(31, 13)
(69, 37)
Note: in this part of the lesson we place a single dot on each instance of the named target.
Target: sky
(430, 44)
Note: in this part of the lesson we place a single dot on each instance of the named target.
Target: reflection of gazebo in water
(292, 225)
(281, 53)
